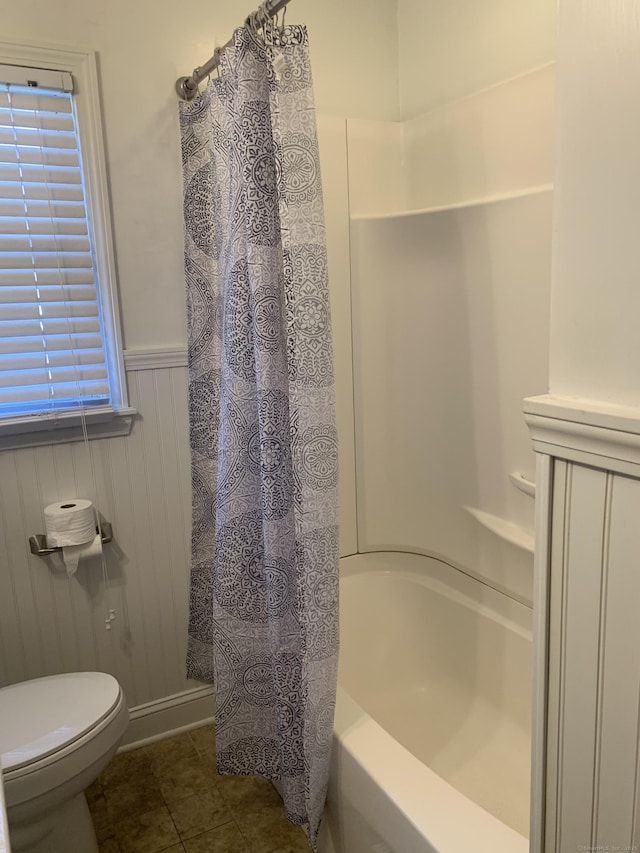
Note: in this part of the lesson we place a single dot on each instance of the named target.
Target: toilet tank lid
(44, 715)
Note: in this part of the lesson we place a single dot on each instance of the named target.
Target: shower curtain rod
(187, 87)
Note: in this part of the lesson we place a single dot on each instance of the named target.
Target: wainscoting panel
(594, 664)
(50, 623)
(617, 756)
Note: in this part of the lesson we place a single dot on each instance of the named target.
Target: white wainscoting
(50, 623)
(592, 714)
(594, 660)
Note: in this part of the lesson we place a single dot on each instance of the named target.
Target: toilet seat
(48, 718)
(57, 734)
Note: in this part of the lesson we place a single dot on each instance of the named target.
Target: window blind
(52, 348)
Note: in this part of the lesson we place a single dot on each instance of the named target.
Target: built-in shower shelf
(522, 484)
(506, 530)
(461, 205)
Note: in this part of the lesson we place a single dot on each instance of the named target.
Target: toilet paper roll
(71, 522)
(72, 554)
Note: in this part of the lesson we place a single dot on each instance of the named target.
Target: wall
(494, 143)
(595, 346)
(47, 623)
(451, 292)
(450, 331)
(588, 434)
(449, 50)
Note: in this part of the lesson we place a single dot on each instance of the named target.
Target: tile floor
(168, 797)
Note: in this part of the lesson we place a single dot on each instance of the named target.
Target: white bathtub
(431, 748)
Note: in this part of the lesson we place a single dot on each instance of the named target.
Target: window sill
(33, 432)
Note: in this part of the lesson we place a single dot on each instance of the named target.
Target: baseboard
(168, 716)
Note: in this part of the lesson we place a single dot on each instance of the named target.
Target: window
(60, 352)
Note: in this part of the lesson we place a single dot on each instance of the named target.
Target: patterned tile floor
(168, 796)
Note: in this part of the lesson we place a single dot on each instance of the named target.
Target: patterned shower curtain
(264, 585)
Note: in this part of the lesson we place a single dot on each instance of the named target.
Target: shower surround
(450, 328)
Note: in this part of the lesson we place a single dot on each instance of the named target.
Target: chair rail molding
(155, 358)
(589, 432)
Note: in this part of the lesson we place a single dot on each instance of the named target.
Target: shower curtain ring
(217, 56)
(264, 14)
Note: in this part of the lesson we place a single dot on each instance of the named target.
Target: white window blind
(52, 345)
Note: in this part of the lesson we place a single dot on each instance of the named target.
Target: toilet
(56, 735)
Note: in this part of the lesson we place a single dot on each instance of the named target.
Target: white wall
(450, 49)
(493, 143)
(590, 517)
(595, 345)
(450, 330)
(451, 281)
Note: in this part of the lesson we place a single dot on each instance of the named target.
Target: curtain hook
(259, 19)
(271, 22)
(264, 18)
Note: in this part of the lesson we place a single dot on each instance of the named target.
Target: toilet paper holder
(38, 542)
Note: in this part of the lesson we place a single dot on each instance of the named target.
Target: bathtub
(431, 749)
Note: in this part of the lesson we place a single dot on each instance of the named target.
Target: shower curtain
(264, 586)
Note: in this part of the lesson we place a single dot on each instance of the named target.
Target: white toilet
(56, 735)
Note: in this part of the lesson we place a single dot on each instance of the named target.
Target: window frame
(104, 421)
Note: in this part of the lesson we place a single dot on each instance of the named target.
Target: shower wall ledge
(461, 205)
(590, 432)
(515, 534)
